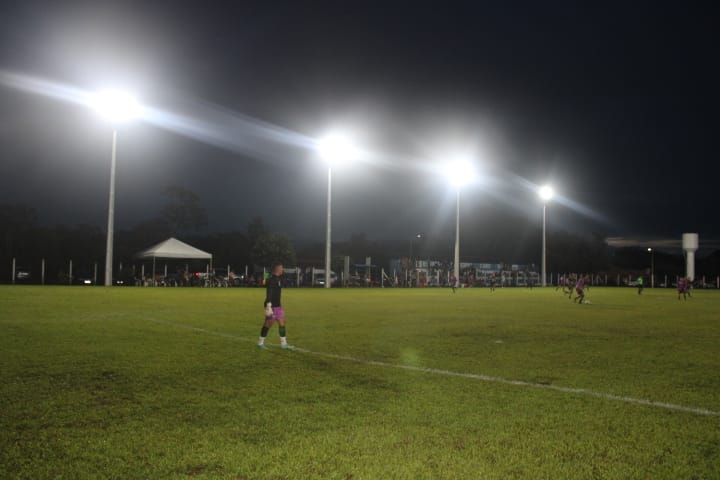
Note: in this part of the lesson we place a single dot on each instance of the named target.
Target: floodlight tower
(333, 149)
(652, 267)
(546, 194)
(117, 107)
(690, 245)
(459, 173)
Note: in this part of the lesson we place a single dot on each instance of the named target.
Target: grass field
(131, 383)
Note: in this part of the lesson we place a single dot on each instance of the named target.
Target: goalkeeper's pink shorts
(278, 314)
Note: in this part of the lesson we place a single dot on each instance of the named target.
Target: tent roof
(173, 248)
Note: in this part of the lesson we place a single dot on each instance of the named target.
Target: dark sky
(615, 104)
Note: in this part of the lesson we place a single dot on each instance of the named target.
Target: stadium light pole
(652, 267)
(412, 263)
(333, 149)
(546, 194)
(117, 107)
(459, 173)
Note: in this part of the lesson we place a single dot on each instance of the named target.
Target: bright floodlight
(336, 148)
(546, 193)
(115, 105)
(460, 172)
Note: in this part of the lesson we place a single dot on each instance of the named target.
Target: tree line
(183, 216)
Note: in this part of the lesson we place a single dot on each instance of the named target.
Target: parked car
(23, 274)
(216, 278)
(82, 278)
(237, 280)
(320, 279)
(358, 281)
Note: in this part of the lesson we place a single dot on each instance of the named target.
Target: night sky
(615, 104)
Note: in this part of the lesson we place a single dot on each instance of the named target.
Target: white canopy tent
(173, 248)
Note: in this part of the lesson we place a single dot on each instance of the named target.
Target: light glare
(337, 148)
(460, 172)
(115, 105)
(546, 193)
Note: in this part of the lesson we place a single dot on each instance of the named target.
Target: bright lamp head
(115, 105)
(546, 193)
(336, 148)
(460, 172)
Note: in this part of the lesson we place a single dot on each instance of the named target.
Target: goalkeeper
(273, 308)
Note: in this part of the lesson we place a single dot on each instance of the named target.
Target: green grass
(111, 383)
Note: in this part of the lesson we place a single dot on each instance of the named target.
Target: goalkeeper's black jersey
(274, 288)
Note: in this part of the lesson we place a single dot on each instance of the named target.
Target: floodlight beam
(336, 148)
(546, 193)
(460, 173)
(116, 106)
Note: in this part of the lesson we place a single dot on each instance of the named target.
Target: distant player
(570, 284)
(561, 283)
(683, 288)
(640, 285)
(492, 282)
(453, 282)
(273, 308)
(580, 289)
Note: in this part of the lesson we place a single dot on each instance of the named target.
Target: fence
(425, 276)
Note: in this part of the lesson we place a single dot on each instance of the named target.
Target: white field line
(472, 376)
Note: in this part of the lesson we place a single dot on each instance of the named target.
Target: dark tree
(182, 212)
(273, 247)
(231, 248)
(16, 221)
(256, 231)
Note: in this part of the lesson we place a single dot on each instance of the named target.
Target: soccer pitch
(132, 383)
